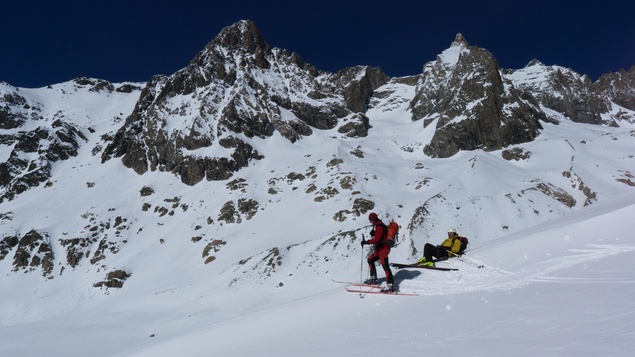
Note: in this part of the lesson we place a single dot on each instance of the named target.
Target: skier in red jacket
(380, 253)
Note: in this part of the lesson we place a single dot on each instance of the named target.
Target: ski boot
(389, 289)
(371, 281)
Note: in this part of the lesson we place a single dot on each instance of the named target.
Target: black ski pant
(436, 251)
(373, 271)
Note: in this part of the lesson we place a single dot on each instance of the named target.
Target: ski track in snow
(470, 277)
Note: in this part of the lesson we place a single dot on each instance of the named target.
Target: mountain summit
(234, 90)
(459, 41)
(246, 36)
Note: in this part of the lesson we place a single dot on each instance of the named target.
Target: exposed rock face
(33, 251)
(33, 151)
(114, 279)
(12, 114)
(35, 136)
(618, 88)
(76, 249)
(199, 122)
(359, 83)
(6, 244)
(225, 93)
(475, 104)
(562, 90)
(472, 106)
(212, 247)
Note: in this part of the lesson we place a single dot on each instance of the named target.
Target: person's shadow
(405, 274)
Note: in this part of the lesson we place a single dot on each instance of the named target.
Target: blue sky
(46, 42)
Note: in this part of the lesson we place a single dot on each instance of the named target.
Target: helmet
(372, 217)
(451, 230)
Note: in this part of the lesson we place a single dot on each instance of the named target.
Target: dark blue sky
(48, 42)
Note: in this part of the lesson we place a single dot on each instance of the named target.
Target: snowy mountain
(170, 217)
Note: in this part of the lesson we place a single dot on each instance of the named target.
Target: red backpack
(464, 243)
(392, 234)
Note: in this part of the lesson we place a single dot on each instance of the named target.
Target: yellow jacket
(452, 244)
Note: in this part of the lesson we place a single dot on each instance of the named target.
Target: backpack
(392, 234)
(464, 243)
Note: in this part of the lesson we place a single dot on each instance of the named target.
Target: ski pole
(361, 264)
(464, 259)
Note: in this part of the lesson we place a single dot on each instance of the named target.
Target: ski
(397, 293)
(358, 284)
(416, 265)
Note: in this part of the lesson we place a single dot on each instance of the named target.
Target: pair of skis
(364, 289)
(361, 288)
(416, 265)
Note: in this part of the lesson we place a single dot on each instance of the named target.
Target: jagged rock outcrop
(359, 83)
(562, 90)
(35, 136)
(199, 122)
(33, 150)
(114, 279)
(6, 244)
(226, 92)
(618, 88)
(34, 251)
(472, 105)
(13, 109)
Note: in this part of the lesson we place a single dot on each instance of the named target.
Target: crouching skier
(380, 252)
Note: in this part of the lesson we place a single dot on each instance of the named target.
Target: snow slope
(562, 289)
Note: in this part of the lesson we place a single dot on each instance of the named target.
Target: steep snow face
(450, 57)
(537, 75)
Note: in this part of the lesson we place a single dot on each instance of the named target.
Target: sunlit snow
(540, 278)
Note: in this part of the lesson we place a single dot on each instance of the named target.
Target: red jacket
(380, 236)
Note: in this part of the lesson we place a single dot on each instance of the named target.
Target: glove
(364, 242)
(372, 233)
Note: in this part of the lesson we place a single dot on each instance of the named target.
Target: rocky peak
(242, 35)
(534, 62)
(459, 41)
(236, 85)
(239, 46)
(463, 92)
(619, 88)
(562, 90)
